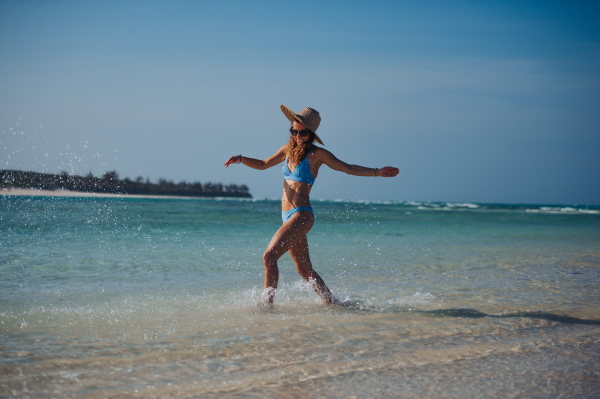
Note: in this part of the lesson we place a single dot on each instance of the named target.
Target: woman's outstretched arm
(273, 160)
(330, 160)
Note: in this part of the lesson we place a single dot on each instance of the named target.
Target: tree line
(110, 183)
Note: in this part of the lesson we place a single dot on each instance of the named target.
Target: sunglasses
(301, 133)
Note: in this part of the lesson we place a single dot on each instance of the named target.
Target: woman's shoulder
(320, 152)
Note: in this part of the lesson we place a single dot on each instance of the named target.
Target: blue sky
(473, 101)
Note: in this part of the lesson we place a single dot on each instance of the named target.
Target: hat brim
(298, 118)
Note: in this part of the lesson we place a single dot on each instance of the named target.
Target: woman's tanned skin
(291, 236)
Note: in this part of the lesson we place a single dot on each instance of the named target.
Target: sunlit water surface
(156, 298)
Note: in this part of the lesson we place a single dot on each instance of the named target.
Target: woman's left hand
(388, 171)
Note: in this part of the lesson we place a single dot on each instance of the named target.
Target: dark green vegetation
(110, 183)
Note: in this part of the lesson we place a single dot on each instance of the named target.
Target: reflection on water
(311, 350)
(475, 314)
(180, 346)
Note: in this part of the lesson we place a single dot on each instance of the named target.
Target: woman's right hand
(233, 159)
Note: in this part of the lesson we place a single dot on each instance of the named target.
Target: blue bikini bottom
(286, 215)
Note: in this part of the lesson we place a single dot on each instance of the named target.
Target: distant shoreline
(34, 192)
(109, 185)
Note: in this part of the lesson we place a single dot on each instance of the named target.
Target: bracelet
(375, 174)
(240, 158)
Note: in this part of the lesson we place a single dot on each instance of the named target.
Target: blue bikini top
(302, 172)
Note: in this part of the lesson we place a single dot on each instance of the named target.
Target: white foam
(462, 205)
(590, 211)
(376, 202)
(563, 210)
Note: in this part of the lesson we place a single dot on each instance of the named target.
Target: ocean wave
(376, 202)
(531, 208)
(402, 205)
(463, 205)
(563, 210)
(449, 206)
(444, 206)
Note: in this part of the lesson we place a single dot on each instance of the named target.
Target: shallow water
(156, 298)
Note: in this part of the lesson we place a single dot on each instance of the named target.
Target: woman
(302, 162)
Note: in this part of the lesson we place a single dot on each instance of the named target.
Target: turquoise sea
(155, 298)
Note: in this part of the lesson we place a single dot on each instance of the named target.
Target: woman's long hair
(297, 152)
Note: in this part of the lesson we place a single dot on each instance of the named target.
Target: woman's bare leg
(294, 229)
(301, 257)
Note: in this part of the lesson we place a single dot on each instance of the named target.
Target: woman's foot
(268, 295)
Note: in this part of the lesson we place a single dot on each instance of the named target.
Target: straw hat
(308, 117)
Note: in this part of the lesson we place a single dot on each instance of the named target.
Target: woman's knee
(270, 259)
